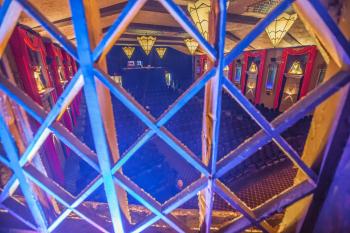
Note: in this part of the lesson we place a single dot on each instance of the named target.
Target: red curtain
(203, 59)
(54, 53)
(69, 72)
(20, 42)
(230, 72)
(79, 95)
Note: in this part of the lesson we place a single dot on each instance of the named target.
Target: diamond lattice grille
(25, 174)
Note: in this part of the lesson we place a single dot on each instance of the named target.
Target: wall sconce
(117, 79)
(63, 81)
(70, 69)
(168, 79)
(253, 69)
(226, 71)
(290, 92)
(37, 76)
(206, 66)
(295, 70)
(252, 77)
(251, 85)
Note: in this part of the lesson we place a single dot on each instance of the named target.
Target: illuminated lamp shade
(161, 52)
(39, 84)
(146, 43)
(63, 80)
(129, 51)
(279, 27)
(192, 45)
(296, 69)
(199, 11)
(290, 92)
(168, 79)
(118, 79)
(253, 68)
(226, 71)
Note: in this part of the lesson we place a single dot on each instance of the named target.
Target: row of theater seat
(236, 126)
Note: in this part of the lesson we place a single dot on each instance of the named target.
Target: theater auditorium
(164, 116)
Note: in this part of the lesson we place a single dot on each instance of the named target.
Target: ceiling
(153, 19)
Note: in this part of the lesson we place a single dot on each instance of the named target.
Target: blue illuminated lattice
(84, 78)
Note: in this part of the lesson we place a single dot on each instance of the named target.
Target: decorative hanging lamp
(161, 52)
(199, 11)
(192, 45)
(128, 51)
(279, 27)
(146, 43)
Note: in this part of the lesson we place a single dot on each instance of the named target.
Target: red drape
(230, 72)
(203, 59)
(79, 95)
(69, 72)
(20, 42)
(54, 53)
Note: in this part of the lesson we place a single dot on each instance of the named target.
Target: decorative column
(325, 117)
(104, 97)
(212, 110)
